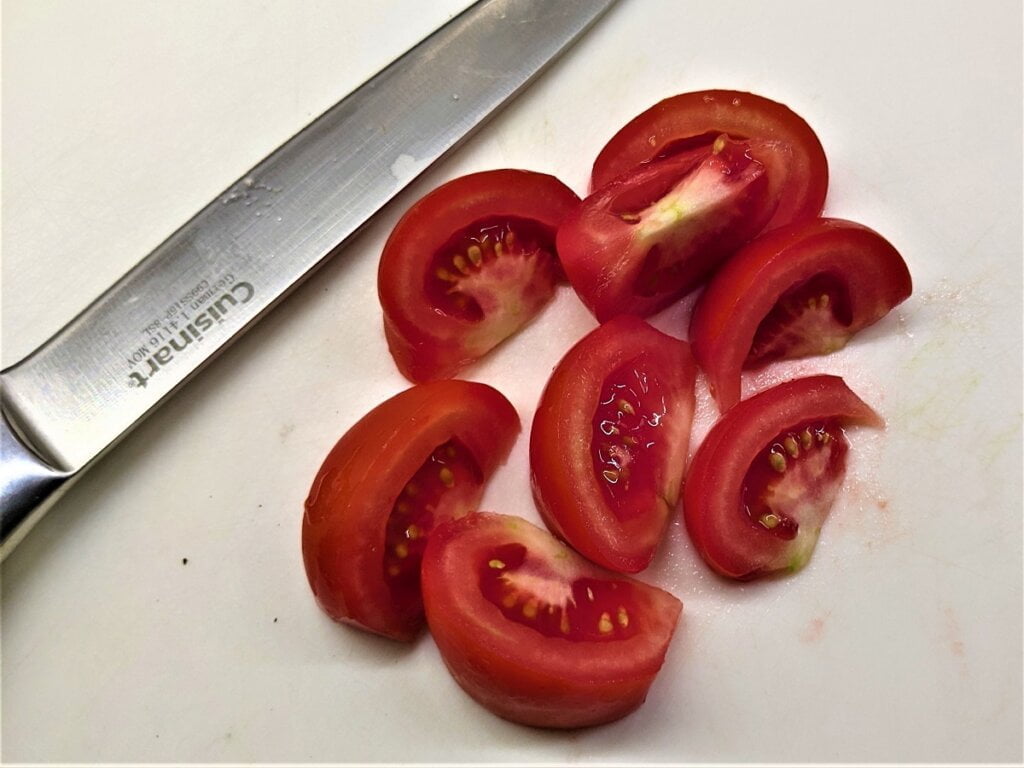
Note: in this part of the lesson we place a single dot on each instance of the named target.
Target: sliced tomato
(652, 235)
(535, 633)
(469, 265)
(609, 442)
(801, 290)
(763, 481)
(414, 461)
(681, 123)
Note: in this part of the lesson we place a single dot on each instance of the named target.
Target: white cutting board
(901, 641)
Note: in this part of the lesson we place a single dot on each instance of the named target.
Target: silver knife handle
(28, 486)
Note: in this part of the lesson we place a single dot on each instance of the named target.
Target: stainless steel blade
(74, 397)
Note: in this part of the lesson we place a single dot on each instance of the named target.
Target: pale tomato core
(811, 318)
(794, 479)
(530, 592)
(472, 275)
(628, 437)
(694, 215)
(443, 487)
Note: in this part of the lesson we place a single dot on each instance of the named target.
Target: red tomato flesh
(609, 440)
(445, 486)
(689, 121)
(652, 235)
(413, 462)
(467, 266)
(761, 484)
(801, 290)
(535, 633)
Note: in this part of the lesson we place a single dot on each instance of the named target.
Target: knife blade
(72, 399)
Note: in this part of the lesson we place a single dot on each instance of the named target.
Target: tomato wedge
(763, 481)
(414, 461)
(681, 123)
(469, 265)
(652, 235)
(801, 290)
(609, 442)
(535, 633)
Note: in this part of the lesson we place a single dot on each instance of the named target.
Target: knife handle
(28, 486)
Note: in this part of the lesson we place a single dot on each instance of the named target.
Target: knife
(78, 394)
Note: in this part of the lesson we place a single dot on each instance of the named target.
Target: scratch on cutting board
(936, 413)
(955, 645)
(996, 445)
(954, 638)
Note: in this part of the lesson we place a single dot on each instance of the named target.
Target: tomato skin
(691, 116)
(566, 488)
(428, 343)
(743, 292)
(723, 534)
(512, 669)
(653, 234)
(352, 496)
